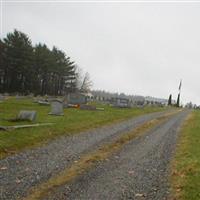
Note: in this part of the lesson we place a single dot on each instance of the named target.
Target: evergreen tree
(18, 62)
(43, 62)
(178, 101)
(39, 70)
(3, 71)
(63, 74)
(170, 100)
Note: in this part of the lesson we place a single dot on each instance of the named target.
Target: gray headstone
(76, 98)
(2, 98)
(56, 108)
(87, 107)
(43, 102)
(65, 102)
(120, 102)
(138, 101)
(29, 115)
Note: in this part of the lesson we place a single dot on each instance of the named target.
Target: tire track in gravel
(138, 171)
(29, 168)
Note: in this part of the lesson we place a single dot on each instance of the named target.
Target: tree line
(26, 69)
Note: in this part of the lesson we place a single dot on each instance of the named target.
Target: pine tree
(39, 70)
(3, 71)
(170, 100)
(178, 101)
(18, 60)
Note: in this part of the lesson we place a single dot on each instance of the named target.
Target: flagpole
(179, 94)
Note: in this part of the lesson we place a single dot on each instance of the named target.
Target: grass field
(73, 121)
(185, 175)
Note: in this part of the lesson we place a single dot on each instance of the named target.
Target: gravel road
(20, 172)
(138, 171)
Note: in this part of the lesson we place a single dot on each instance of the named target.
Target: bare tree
(83, 81)
(86, 83)
(79, 77)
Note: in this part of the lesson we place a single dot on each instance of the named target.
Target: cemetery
(90, 106)
(26, 122)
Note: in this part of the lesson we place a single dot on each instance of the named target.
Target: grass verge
(185, 175)
(89, 160)
(73, 121)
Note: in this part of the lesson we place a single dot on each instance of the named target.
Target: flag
(179, 88)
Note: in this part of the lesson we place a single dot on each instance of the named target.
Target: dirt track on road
(139, 171)
(124, 176)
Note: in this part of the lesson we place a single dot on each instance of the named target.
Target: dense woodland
(26, 69)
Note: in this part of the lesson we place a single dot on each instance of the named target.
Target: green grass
(185, 175)
(73, 121)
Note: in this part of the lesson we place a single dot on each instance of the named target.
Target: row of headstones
(30, 115)
(56, 106)
(56, 109)
(18, 97)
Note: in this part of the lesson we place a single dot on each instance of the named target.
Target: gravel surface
(20, 172)
(139, 171)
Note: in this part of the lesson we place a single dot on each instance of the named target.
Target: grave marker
(29, 115)
(2, 98)
(56, 108)
(76, 98)
(120, 102)
(87, 107)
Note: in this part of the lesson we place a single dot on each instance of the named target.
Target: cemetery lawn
(185, 175)
(73, 121)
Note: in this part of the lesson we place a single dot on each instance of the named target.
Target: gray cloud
(136, 48)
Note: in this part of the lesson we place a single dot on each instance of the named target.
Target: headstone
(87, 107)
(2, 98)
(76, 98)
(138, 101)
(29, 115)
(43, 102)
(56, 108)
(65, 102)
(120, 102)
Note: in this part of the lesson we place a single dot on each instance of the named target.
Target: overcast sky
(135, 48)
